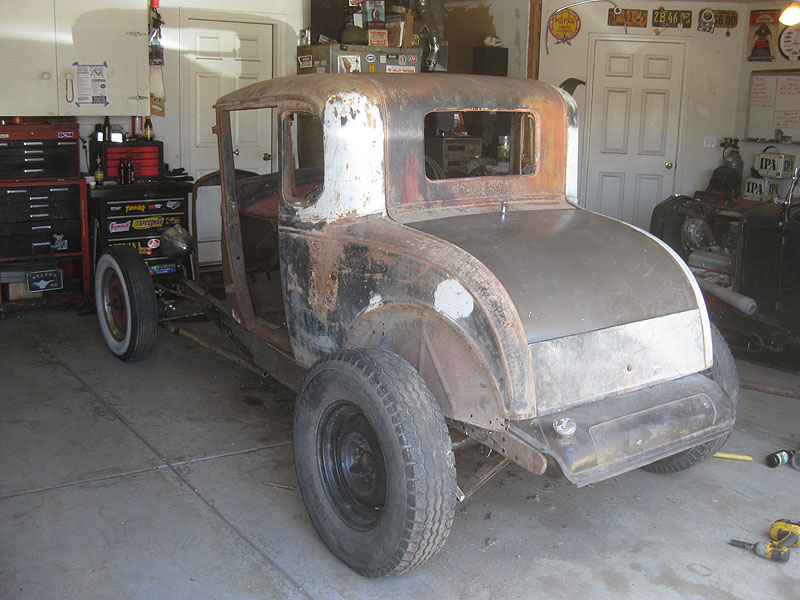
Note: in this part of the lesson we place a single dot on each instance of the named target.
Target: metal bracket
(476, 482)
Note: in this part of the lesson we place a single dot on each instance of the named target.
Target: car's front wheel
(126, 303)
(374, 461)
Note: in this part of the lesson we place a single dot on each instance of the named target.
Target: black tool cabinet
(136, 215)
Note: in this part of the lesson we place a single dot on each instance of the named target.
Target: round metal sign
(565, 25)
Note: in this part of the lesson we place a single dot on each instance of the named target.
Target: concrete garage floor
(149, 480)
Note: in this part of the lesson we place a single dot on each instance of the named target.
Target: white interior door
(634, 117)
(221, 56)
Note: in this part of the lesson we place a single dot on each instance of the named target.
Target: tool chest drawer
(36, 203)
(39, 151)
(40, 217)
(32, 240)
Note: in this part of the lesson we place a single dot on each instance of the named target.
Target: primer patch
(453, 300)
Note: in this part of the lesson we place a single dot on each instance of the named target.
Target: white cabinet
(53, 42)
(28, 64)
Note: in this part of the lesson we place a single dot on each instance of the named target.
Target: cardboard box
(378, 37)
(772, 164)
(400, 28)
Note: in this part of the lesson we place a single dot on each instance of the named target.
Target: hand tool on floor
(784, 533)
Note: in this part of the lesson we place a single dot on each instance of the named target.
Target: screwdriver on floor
(784, 533)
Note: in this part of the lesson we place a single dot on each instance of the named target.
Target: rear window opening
(479, 143)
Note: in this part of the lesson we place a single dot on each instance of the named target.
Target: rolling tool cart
(44, 247)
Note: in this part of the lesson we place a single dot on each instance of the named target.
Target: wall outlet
(709, 142)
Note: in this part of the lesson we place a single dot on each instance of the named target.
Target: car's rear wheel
(126, 303)
(374, 461)
(723, 373)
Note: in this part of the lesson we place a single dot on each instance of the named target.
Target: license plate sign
(672, 18)
(44, 281)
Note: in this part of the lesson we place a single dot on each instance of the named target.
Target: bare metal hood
(571, 271)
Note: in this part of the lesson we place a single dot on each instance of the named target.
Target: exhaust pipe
(739, 301)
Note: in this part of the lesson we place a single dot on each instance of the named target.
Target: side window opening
(304, 137)
(479, 143)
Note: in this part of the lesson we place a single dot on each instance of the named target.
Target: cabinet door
(28, 50)
(115, 41)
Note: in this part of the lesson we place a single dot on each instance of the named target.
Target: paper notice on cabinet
(92, 85)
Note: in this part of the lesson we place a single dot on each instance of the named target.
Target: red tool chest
(44, 242)
(146, 157)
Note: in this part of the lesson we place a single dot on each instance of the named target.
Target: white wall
(713, 77)
(295, 14)
(748, 149)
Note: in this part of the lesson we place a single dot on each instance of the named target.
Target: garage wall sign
(627, 17)
(789, 43)
(706, 20)
(763, 35)
(564, 25)
(726, 19)
(672, 19)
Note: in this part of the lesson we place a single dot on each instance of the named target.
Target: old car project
(418, 263)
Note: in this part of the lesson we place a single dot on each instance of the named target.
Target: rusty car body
(541, 330)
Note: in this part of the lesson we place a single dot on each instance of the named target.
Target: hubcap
(114, 308)
(352, 465)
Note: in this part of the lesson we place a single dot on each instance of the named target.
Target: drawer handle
(40, 244)
(39, 215)
(39, 198)
(34, 151)
(45, 205)
(40, 227)
(67, 143)
(33, 170)
(16, 191)
(34, 159)
(59, 189)
(33, 143)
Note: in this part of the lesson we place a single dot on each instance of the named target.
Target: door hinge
(137, 97)
(136, 33)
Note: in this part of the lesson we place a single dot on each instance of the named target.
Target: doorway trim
(586, 127)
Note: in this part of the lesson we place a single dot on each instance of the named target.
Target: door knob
(668, 164)
(266, 156)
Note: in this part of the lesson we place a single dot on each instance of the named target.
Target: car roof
(427, 91)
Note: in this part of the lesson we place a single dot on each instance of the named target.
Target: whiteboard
(773, 103)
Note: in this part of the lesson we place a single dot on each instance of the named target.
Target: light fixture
(791, 14)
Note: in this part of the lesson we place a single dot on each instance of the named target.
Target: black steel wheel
(724, 373)
(374, 461)
(126, 303)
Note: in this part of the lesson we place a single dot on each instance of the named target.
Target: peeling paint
(354, 135)
(453, 299)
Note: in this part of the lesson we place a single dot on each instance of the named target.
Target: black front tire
(723, 373)
(374, 461)
(126, 303)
